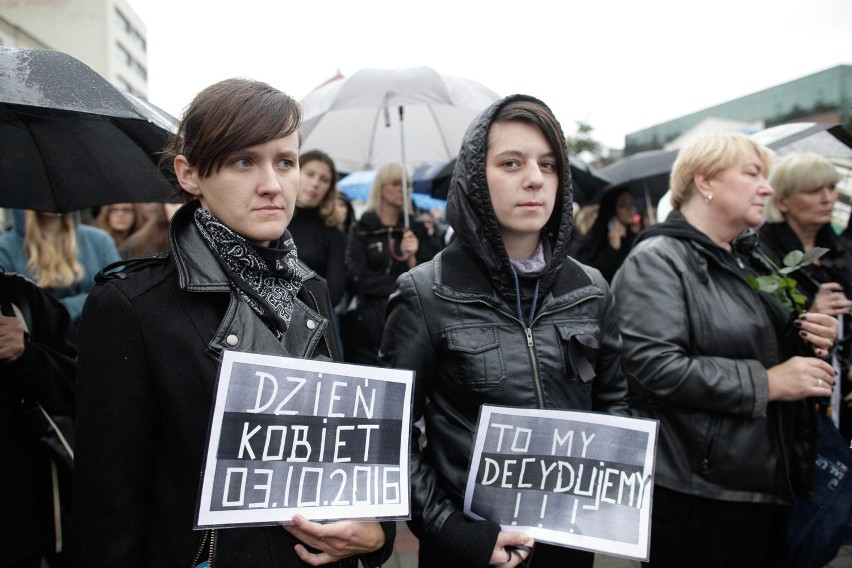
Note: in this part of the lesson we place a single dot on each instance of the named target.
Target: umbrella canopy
(357, 187)
(69, 140)
(379, 116)
(433, 179)
(588, 182)
(830, 140)
(645, 173)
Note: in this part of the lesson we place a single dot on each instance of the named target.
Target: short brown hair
(225, 117)
(540, 116)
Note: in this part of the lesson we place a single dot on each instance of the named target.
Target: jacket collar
(198, 269)
(461, 278)
(240, 329)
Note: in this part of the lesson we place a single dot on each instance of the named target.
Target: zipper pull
(529, 336)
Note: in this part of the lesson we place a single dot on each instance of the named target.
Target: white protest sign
(328, 441)
(578, 479)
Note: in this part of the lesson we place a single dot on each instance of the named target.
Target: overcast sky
(620, 65)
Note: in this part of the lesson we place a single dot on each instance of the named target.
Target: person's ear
(780, 203)
(187, 175)
(702, 184)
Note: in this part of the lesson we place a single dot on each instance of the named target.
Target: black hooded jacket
(454, 321)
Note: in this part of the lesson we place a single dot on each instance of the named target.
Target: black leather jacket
(697, 343)
(468, 348)
(151, 341)
(455, 322)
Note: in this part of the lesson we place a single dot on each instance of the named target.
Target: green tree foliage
(582, 141)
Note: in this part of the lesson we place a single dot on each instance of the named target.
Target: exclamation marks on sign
(573, 515)
(542, 511)
(517, 506)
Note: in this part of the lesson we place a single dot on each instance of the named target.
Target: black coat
(321, 248)
(371, 272)
(151, 341)
(778, 239)
(44, 373)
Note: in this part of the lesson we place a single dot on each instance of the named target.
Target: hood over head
(470, 213)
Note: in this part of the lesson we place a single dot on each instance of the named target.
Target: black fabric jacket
(697, 343)
(593, 248)
(371, 273)
(321, 248)
(44, 373)
(151, 341)
(778, 239)
(454, 322)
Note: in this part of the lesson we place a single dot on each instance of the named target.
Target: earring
(708, 198)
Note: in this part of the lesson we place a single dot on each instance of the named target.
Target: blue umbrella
(357, 187)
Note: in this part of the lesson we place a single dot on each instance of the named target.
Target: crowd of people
(516, 308)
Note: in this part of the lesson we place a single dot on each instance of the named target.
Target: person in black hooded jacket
(501, 316)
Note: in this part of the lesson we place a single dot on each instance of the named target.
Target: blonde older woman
(799, 216)
(719, 365)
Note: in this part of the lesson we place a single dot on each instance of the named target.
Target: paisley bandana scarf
(267, 279)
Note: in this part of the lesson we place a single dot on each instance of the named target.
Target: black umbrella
(69, 140)
(587, 181)
(645, 173)
(435, 180)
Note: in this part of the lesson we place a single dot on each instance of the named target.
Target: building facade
(825, 96)
(106, 35)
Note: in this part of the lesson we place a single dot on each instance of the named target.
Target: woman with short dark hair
(153, 334)
(502, 316)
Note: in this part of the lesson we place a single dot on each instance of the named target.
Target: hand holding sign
(334, 541)
(326, 440)
(511, 549)
(578, 479)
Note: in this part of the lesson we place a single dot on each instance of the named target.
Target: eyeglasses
(127, 210)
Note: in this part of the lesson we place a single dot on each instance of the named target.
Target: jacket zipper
(539, 390)
(324, 338)
(539, 393)
(201, 546)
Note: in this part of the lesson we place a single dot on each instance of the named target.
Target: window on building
(124, 55)
(123, 23)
